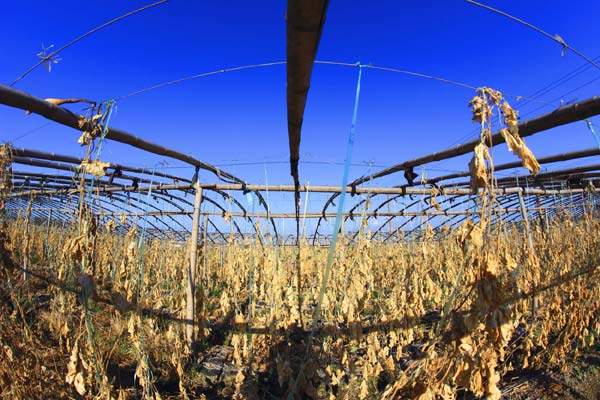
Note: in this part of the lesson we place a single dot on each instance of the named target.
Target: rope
(338, 222)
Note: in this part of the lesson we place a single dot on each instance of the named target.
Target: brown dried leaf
(510, 118)
(85, 138)
(96, 167)
(74, 375)
(518, 147)
(477, 167)
(59, 102)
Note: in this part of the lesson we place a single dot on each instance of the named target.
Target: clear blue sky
(240, 117)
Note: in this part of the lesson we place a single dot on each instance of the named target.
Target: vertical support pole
(204, 241)
(191, 282)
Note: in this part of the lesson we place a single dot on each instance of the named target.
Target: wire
(219, 71)
(417, 74)
(565, 94)
(556, 38)
(553, 85)
(336, 63)
(420, 75)
(29, 132)
(546, 89)
(49, 56)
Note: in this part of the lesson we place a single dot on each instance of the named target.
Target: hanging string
(110, 105)
(267, 192)
(336, 229)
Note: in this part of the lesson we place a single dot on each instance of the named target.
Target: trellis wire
(49, 56)
(556, 38)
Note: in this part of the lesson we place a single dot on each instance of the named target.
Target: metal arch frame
(507, 182)
(70, 180)
(27, 159)
(107, 202)
(561, 116)
(594, 151)
(162, 196)
(533, 180)
(167, 197)
(97, 207)
(410, 219)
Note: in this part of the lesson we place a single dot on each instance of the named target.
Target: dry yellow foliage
(518, 147)
(477, 167)
(96, 167)
(380, 319)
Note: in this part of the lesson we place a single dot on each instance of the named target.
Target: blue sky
(240, 117)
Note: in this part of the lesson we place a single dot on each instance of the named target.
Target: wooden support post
(204, 241)
(191, 282)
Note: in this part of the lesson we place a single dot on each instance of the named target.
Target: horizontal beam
(594, 151)
(68, 191)
(292, 215)
(449, 191)
(25, 101)
(42, 155)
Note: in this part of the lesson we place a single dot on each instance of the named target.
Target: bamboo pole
(25, 101)
(291, 215)
(594, 151)
(204, 265)
(42, 155)
(191, 281)
(442, 191)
